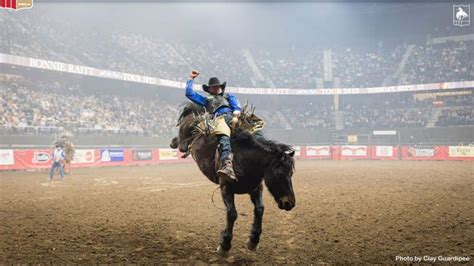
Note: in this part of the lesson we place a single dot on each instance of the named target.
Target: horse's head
(278, 179)
(186, 123)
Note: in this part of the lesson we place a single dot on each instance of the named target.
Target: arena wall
(41, 158)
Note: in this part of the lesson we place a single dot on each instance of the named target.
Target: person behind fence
(58, 157)
(226, 109)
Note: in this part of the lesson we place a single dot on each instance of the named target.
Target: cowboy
(226, 109)
(58, 157)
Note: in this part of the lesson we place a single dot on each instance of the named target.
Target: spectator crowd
(456, 117)
(295, 67)
(25, 105)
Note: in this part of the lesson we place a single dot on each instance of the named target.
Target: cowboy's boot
(227, 170)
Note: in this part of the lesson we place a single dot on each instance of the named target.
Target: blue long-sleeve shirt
(202, 100)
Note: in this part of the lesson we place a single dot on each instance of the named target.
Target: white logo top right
(461, 15)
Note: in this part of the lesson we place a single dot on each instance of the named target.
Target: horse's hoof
(251, 245)
(220, 251)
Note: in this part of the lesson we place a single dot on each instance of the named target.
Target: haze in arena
(214, 132)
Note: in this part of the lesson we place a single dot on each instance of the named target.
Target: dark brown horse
(256, 161)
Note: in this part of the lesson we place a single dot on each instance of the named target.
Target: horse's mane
(269, 146)
(190, 108)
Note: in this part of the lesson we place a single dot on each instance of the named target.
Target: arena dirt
(354, 211)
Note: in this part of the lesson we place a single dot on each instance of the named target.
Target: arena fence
(29, 159)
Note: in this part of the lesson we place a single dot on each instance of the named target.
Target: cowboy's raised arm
(191, 94)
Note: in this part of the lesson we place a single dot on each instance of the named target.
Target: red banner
(32, 159)
(41, 158)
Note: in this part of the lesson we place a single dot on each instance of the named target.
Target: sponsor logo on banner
(418, 152)
(111, 155)
(461, 151)
(168, 154)
(41, 157)
(83, 156)
(354, 150)
(6, 157)
(297, 150)
(317, 150)
(141, 155)
(384, 151)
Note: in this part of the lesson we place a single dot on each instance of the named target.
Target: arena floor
(350, 211)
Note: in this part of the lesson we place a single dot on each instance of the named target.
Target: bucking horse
(257, 160)
(69, 152)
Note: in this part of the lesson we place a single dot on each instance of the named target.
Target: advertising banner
(420, 152)
(142, 155)
(354, 151)
(83, 156)
(6, 157)
(111, 156)
(322, 152)
(384, 151)
(461, 151)
(41, 158)
(167, 154)
(109, 74)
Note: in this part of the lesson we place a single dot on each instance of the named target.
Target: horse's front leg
(226, 235)
(254, 238)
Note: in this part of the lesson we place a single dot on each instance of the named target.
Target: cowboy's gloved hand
(235, 117)
(194, 74)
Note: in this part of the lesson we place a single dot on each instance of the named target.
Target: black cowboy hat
(213, 82)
